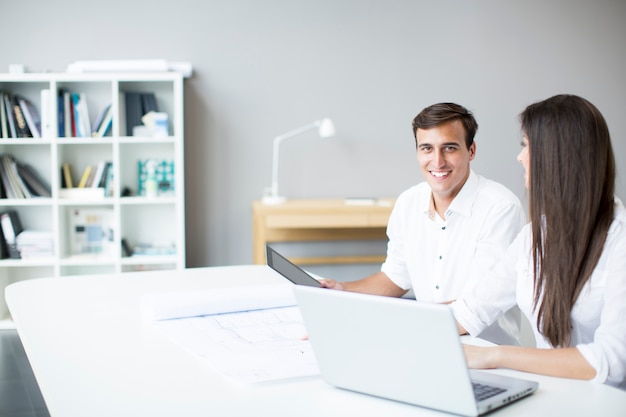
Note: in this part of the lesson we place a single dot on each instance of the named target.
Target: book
(16, 185)
(83, 179)
(109, 182)
(77, 121)
(121, 111)
(61, 113)
(20, 122)
(72, 116)
(3, 193)
(6, 183)
(105, 174)
(92, 174)
(11, 228)
(4, 251)
(81, 122)
(103, 123)
(133, 107)
(99, 119)
(31, 115)
(4, 127)
(126, 249)
(68, 115)
(36, 184)
(21, 184)
(148, 103)
(92, 231)
(46, 117)
(83, 111)
(67, 175)
(99, 174)
(10, 116)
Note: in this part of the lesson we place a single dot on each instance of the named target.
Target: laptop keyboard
(482, 391)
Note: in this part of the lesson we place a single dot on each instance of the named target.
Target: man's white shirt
(439, 258)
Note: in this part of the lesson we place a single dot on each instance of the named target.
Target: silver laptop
(401, 350)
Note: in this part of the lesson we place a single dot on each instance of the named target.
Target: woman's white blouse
(598, 316)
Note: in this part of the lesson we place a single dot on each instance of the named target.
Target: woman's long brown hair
(571, 194)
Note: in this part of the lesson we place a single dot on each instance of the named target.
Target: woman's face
(524, 158)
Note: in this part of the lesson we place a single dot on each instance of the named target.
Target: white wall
(263, 67)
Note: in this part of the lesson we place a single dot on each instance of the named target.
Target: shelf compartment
(140, 228)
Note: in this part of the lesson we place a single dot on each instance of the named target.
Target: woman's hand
(560, 362)
(481, 357)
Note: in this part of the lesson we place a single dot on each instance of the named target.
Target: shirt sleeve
(500, 227)
(483, 302)
(395, 266)
(607, 352)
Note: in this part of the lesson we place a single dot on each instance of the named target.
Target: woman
(567, 268)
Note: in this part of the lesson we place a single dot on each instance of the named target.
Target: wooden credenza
(320, 220)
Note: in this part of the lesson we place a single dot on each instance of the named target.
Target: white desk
(94, 356)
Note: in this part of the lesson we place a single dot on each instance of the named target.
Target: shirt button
(443, 228)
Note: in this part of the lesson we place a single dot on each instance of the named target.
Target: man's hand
(331, 284)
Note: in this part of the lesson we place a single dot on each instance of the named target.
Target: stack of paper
(251, 334)
(35, 244)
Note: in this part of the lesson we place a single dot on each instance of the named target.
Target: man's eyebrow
(441, 145)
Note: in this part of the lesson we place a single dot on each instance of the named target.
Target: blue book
(61, 114)
(78, 120)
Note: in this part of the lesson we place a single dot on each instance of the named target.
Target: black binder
(10, 227)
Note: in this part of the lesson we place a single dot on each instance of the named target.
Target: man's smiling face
(445, 160)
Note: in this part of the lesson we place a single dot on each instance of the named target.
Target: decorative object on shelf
(155, 177)
(92, 231)
(326, 129)
(154, 249)
(155, 124)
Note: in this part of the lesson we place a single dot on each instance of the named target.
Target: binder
(11, 227)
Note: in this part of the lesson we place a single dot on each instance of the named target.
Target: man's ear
(472, 150)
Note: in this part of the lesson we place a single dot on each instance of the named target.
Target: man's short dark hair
(442, 113)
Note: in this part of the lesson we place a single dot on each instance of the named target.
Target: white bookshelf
(137, 219)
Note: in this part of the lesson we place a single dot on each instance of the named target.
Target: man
(444, 232)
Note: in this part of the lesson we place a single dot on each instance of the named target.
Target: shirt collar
(464, 200)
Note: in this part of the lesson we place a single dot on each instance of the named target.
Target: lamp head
(327, 128)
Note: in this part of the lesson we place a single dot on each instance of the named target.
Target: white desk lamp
(326, 129)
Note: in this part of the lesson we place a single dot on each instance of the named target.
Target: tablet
(286, 268)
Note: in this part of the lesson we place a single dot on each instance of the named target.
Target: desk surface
(92, 354)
